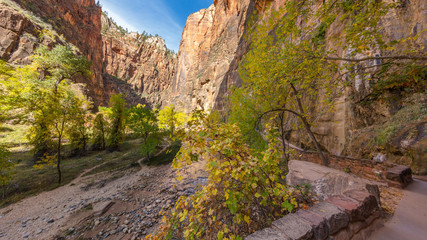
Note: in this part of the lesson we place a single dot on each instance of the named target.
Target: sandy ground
(41, 216)
(48, 214)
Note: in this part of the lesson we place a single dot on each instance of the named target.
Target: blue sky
(163, 17)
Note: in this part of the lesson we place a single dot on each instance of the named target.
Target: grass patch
(397, 122)
(14, 136)
(165, 157)
(29, 181)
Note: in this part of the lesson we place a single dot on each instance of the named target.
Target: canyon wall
(77, 22)
(24, 25)
(209, 43)
(139, 66)
(212, 46)
(139, 62)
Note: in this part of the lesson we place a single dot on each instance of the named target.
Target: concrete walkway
(410, 219)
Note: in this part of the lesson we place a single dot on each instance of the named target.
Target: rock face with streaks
(212, 47)
(139, 66)
(142, 62)
(209, 43)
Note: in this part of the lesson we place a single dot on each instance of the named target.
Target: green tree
(43, 90)
(244, 193)
(144, 124)
(78, 128)
(171, 119)
(65, 109)
(99, 132)
(6, 168)
(117, 116)
(292, 73)
(36, 88)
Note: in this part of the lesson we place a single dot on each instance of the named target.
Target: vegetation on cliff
(291, 76)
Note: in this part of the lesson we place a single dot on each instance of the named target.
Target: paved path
(410, 219)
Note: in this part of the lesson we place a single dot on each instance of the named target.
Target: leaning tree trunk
(308, 127)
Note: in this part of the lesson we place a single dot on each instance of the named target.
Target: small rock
(51, 221)
(380, 158)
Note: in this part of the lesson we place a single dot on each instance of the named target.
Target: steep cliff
(140, 66)
(141, 61)
(212, 46)
(209, 43)
(26, 24)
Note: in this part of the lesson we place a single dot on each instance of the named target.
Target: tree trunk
(282, 136)
(58, 165)
(308, 127)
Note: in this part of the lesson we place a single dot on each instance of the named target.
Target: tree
(36, 88)
(43, 90)
(144, 124)
(244, 192)
(80, 123)
(171, 119)
(99, 132)
(6, 168)
(117, 118)
(292, 71)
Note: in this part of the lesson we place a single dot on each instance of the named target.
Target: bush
(244, 193)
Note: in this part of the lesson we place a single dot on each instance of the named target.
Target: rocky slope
(137, 65)
(76, 22)
(141, 61)
(212, 47)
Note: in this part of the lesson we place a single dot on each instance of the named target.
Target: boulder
(336, 218)
(324, 181)
(401, 174)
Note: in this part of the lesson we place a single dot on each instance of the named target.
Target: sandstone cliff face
(209, 43)
(212, 47)
(21, 31)
(23, 27)
(142, 62)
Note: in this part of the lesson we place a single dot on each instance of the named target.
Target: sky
(163, 17)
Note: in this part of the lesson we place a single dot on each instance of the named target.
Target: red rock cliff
(78, 21)
(209, 43)
(212, 47)
(142, 62)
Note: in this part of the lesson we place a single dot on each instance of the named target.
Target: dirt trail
(410, 219)
(138, 197)
(40, 216)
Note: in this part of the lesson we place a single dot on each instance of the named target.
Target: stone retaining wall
(393, 174)
(347, 216)
(349, 206)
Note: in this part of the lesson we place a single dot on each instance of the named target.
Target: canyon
(205, 69)
(121, 194)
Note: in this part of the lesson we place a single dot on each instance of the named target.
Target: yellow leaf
(247, 219)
